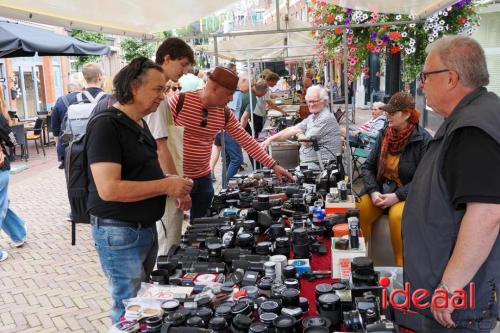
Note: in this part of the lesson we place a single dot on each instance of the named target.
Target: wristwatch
(444, 286)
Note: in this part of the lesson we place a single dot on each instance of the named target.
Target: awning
(21, 40)
(119, 17)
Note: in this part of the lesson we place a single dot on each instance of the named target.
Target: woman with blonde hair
(10, 222)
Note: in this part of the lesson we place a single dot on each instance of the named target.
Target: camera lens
(361, 262)
(353, 321)
(290, 272)
(204, 302)
(268, 318)
(304, 304)
(285, 324)
(249, 226)
(269, 306)
(316, 330)
(205, 314)
(292, 283)
(265, 285)
(245, 240)
(252, 291)
(352, 212)
(241, 324)
(264, 248)
(323, 288)
(154, 324)
(276, 290)
(275, 212)
(258, 328)
(282, 246)
(218, 325)
(241, 307)
(316, 321)
(170, 305)
(195, 322)
(263, 198)
(214, 247)
(175, 319)
(339, 286)
(224, 311)
(270, 269)
(300, 243)
(329, 306)
(159, 276)
(276, 230)
(290, 298)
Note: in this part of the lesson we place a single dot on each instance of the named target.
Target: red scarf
(393, 142)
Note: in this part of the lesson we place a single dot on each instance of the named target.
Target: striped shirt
(198, 140)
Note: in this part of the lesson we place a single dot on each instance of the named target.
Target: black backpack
(77, 178)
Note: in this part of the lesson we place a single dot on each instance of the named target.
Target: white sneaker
(18, 244)
(3, 255)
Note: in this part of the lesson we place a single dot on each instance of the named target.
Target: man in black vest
(451, 219)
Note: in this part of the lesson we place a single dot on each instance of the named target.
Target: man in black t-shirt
(128, 188)
(451, 219)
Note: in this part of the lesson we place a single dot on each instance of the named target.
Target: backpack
(76, 171)
(77, 116)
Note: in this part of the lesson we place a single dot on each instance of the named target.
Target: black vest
(431, 222)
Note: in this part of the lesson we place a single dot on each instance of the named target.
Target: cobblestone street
(48, 285)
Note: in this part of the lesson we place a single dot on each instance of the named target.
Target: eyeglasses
(423, 75)
(204, 120)
(314, 101)
(175, 88)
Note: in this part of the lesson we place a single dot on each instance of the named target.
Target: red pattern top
(197, 146)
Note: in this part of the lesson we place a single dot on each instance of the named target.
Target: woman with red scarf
(388, 171)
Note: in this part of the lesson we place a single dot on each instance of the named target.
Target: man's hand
(443, 314)
(266, 143)
(388, 200)
(306, 144)
(177, 186)
(281, 173)
(355, 133)
(184, 203)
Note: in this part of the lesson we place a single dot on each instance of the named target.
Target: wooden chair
(36, 134)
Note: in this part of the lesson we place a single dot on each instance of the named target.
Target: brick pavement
(48, 285)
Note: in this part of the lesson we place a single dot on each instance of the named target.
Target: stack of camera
(237, 262)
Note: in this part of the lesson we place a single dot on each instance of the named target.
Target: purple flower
(348, 11)
(373, 36)
(347, 21)
(386, 38)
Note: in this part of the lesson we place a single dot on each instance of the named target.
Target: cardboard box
(341, 259)
(340, 207)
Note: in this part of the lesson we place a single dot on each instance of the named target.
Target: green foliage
(134, 48)
(88, 36)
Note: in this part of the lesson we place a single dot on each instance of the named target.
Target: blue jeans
(201, 196)
(9, 221)
(127, 257)
(234, 156)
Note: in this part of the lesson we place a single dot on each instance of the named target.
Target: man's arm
(165, 157)
(111, 187)
(273, 106)
(244, 119)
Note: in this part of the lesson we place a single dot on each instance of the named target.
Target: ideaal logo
(439, 299)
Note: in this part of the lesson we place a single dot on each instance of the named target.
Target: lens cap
(284, 321)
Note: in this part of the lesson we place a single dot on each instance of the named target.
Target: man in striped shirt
(202, 116)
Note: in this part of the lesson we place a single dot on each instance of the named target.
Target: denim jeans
(201, 196)
(127, 257)
(9, 221)
(234, 156)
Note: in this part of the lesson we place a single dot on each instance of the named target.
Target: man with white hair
(451, 219)
(370, 130)
(320, 125)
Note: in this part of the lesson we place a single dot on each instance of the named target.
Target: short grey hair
(465, 56)
(323, 94)
(378, 104)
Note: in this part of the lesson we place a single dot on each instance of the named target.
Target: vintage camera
(353, 223)
(296, 204)
(353, 322)
(368, 307)
(364, 278)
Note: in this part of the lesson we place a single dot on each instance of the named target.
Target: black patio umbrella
(21, 40)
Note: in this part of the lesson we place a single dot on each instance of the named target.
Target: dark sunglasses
(204, 120)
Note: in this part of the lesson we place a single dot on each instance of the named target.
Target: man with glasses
(451, 219)
(320, 125)
(203, 114)
(369, 131)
